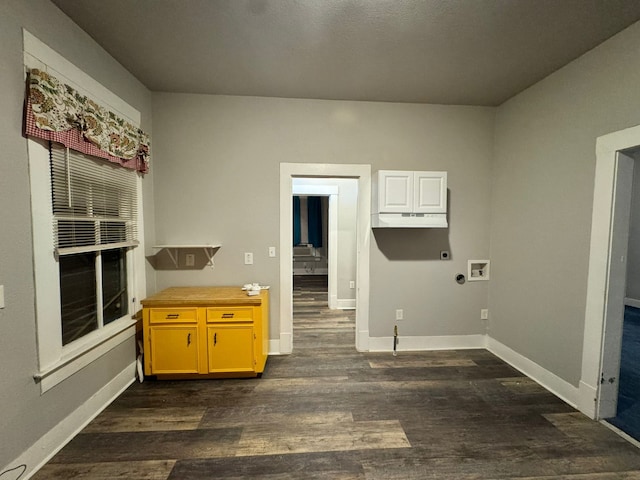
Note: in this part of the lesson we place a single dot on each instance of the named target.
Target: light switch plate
(272, 251)
(1, 296)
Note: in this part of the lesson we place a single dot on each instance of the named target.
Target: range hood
(409, 220)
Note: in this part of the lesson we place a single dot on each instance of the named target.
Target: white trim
(363, 339)
(39, 55)
(345, 303)
(55, 439)
(334, 247)
(556, 385)
(363, 174)
(587, 397)
(318, 190)
(274, 347)
(47, 288)
(597, 280)
(286, 342)
(632, 302)
(416, 344)
(110, 337)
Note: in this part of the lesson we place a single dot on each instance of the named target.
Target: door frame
(363, 234)
(603, 284)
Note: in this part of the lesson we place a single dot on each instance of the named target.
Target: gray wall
(217, 179)
(543, 176)
(26, 414)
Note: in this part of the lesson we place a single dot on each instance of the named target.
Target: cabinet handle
(215, 339)
(173, 315)
(227, 315)
(188, 340)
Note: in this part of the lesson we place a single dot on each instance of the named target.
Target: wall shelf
(173, 253)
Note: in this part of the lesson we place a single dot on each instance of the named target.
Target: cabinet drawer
(173, 315)
(230, 314)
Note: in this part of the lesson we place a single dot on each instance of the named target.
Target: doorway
(362, 175)
(309, 257)
(606, 285)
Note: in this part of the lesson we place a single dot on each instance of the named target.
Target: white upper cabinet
(411, 192)
(395, 191)
(429, 192)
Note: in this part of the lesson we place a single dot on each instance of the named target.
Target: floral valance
(58, 112)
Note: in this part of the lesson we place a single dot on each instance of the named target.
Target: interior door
(616, 288)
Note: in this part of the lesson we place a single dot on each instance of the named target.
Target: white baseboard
(56, 438)
(274, 347)
(587, 399)
(333, 302)
(362, 340)
(559, 387)
(346, 303)
(285, 343)
(444, 342)
(632, 302)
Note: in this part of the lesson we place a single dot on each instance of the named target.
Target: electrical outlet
(272, 251)
(352, 284)
(399, 314)
(190, 260)
(248, 258)
(484, 314)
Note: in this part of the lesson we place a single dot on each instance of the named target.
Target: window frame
(56, 362)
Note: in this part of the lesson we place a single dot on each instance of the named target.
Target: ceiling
(464, 52)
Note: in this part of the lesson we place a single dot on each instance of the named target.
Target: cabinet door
(430, 192)
(173, 349)
(395, 191)
(230, 348)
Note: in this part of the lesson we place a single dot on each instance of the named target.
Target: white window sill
(73, 361)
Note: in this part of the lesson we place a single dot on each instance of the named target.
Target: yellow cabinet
(199, 332)
(230, 348)
(230, 339)
(173, 340)
(175, 349)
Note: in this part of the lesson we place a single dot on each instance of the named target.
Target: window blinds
(95, 203)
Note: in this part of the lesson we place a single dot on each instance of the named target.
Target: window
(94, 207)
(89, 274)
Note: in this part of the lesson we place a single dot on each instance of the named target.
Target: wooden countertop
(202, 296)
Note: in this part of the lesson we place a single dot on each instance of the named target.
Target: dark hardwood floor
(329, 412)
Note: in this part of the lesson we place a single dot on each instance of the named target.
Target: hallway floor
(627, 418)
(329, 412)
